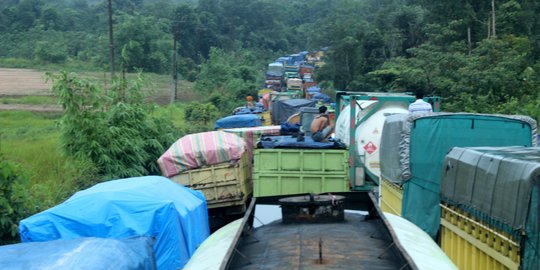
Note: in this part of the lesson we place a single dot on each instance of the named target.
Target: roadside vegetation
(478, 56)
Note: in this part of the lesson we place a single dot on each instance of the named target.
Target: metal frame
(344, 98)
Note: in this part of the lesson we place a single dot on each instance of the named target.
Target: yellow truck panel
(470, 244)
(223, 185)
(266, 118)
(391, 197)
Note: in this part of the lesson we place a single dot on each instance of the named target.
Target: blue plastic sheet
(295, 142)
(314, 89)
(82, 253)
(152, 206)
(246, 110)
(283, 59)
(289, 129)
(322, 97)
(238, 121)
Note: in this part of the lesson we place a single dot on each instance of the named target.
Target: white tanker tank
(371, 111)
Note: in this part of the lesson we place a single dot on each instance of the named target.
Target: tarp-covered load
(259, 108)
(252, 134)
(314, 89)
(83, 253)
(240, 120)
(413, 147)
(321, 97)
(283, 109)
(202, 149)
(299, 141)
(499, 186)
(153, 206)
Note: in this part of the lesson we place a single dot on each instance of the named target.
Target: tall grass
(32, 141)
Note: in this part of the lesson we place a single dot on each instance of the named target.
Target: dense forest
(478, 56)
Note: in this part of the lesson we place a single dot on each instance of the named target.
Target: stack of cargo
(491, 199)
(312, 90)
(252, 134)
(283, 109)
(412, 151)
(215, 163)
(250, 119)
(174, 217)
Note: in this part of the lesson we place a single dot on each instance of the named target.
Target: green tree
(227, 78)
(116, 132)
(200, 115)
(139, 39)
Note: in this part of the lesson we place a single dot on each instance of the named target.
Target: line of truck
(414, 149)
(294, 72)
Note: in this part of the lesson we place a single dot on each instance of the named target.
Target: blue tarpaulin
(314, 89)
(322, 97)
(295, 142)
(152, 206)
(238, 121)
(83, 253)
(259, 108)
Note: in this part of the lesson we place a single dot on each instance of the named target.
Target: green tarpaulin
(413, 148)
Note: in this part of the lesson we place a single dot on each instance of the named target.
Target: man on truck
(320, 127)
(420, 106)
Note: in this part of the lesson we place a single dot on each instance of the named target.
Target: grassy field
(31, 138)
(33, 141)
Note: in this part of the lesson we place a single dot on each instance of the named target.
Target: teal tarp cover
(417, 144)
(151, 206)
(83, 253)
(499, 186)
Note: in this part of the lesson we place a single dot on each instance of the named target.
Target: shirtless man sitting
(320, 127)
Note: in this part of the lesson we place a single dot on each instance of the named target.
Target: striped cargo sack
(252, 134)
(202, 149)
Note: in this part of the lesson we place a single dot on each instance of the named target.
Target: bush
(13, 200)
(116, 131)
(201, 113)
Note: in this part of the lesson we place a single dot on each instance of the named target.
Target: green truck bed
(296, 171)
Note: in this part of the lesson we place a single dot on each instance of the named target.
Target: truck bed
(357, 243)
(363, 241)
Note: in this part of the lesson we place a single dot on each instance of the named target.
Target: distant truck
(305, 69)
(275, 69)
(294, 84)
(274, 84)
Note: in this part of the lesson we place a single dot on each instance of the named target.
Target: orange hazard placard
(370, 147)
